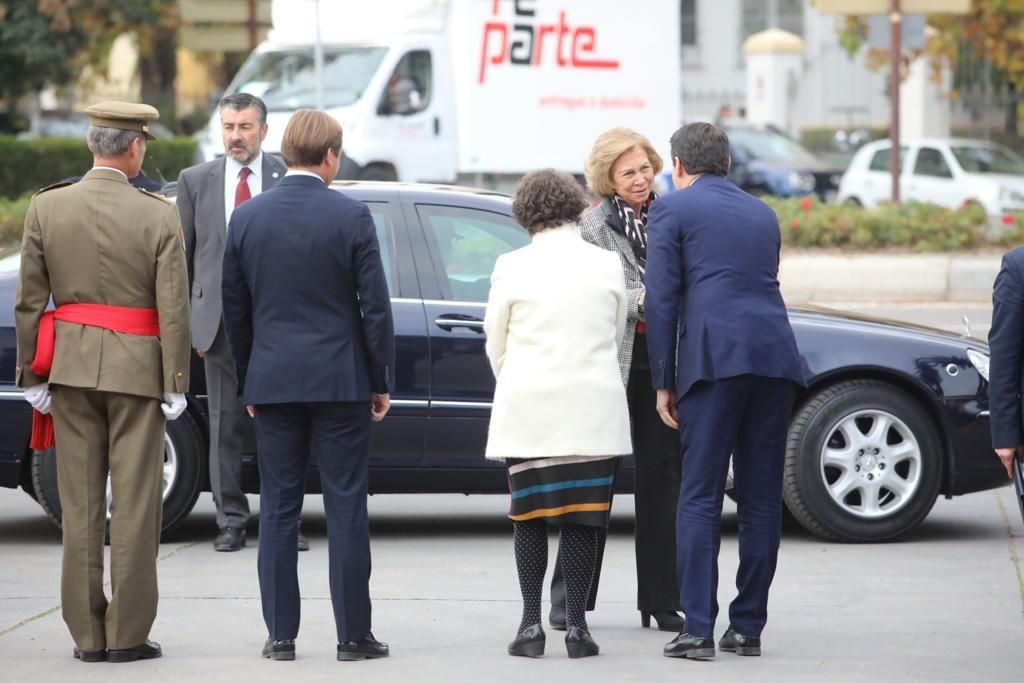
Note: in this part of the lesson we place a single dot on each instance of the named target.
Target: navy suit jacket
(306, 306)
(1006, 345)
(712, 284)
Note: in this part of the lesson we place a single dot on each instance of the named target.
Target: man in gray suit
(207, 195)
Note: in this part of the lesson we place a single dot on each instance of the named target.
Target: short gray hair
(110, 142)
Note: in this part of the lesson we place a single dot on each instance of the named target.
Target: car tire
(863, 463)
(183, 463)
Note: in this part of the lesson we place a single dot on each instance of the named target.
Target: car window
(385, 237)
(468, 242)
(769, 146)
(987, 159)
(880, 159)
(930, 162)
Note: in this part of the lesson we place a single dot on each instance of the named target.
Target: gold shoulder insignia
(154, 195)
(63, 183)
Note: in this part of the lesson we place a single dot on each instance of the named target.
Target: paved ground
(947, 604)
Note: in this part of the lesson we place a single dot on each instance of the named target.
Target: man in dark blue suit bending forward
(308, 318)
(712, 286)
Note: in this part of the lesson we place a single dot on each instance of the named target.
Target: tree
(986, 43)
(38, 43)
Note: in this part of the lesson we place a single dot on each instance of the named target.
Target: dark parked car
(894, 415)
(766, 162)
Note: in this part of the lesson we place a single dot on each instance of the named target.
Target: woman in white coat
(555, 319)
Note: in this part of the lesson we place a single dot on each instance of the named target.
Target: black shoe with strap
(666, 620)
(148, 650)
(691, 646)
(229, 540)
(556, 617)
(367, 648)
(279, 650)
(745, 646)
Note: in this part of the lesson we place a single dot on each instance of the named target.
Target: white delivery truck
(469, 91)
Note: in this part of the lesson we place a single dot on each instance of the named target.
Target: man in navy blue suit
(1006, 345)
(712, 286)
(308, 318)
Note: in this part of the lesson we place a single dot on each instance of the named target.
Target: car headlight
(980, 362)
(1010, 195)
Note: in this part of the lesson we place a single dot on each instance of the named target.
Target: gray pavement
(946, 604)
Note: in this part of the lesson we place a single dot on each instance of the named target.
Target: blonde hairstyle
(308, 136)
(608, 147)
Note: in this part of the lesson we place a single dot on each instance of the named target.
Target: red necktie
(242, 191)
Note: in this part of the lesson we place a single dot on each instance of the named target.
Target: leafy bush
(29, 165)
(12, 218)
(808, 223)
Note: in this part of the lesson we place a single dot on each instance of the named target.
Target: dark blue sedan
(893, 417)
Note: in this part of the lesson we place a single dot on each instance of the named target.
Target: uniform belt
(141, 321)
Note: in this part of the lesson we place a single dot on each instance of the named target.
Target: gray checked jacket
(601, 226)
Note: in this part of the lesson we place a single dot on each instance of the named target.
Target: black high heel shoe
(667, 621)
(578, 643)
(528, 643)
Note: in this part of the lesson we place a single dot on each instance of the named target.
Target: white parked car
(948, 172)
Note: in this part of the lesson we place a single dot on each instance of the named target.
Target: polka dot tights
(577, 554)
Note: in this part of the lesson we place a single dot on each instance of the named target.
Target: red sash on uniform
(142, 321)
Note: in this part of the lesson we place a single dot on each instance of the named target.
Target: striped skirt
(563, 490)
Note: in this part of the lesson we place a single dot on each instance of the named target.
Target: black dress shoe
(90, 655)
(303, 542)
(694, 647)
(579, 643)
(556, 617)
(367, 648)
(667, 621)
(746, 646)
(229, 540)
(528, 643)
(148, 650)
(279, 650)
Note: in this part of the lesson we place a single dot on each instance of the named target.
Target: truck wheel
(863, 463)
(182, 474)
(378, 172)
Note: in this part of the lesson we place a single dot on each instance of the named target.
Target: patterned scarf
(635, 227)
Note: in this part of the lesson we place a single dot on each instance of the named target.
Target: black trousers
(657, 476)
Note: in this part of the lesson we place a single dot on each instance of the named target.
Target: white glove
(173, 405)
(39, 397)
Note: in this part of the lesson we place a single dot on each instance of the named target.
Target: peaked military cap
(123, 115)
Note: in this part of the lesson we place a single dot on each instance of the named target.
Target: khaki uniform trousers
(99, 433)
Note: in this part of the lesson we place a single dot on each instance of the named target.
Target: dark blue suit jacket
(712, 278)
(306, 305)
(1006, 345)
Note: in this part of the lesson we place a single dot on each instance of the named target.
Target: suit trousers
(339, 433)
(657, 475)
(228, 425)
(99, 433)
(748, 417)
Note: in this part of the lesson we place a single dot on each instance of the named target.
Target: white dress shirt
(309, 173)
(231, 170)
(110, 168)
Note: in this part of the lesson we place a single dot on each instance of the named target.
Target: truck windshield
(284, 79)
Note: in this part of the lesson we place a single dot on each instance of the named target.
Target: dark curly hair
(546, 199)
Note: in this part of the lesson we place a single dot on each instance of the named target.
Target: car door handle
(450, 322)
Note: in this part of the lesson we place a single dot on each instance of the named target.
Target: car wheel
(182, 474)
(862, 463)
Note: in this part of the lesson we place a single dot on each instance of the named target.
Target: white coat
(555, 318)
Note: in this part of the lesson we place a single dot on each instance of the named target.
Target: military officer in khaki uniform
(112, 258)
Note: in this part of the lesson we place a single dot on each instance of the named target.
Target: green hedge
(808, 223)
(29, 165)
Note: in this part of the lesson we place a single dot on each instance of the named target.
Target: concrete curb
(888, 277)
